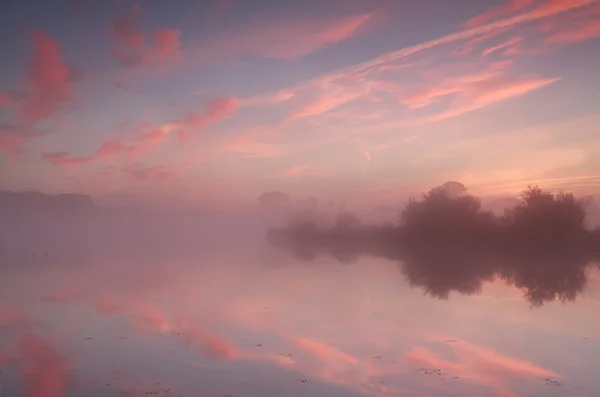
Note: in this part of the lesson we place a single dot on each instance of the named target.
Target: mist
(446, 241)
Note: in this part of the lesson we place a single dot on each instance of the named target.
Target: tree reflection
(445, 242)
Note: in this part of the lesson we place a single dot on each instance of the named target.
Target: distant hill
(36, 202)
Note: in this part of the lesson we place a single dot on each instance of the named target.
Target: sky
(219, 101)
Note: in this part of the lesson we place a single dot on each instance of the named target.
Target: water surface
(250, 320)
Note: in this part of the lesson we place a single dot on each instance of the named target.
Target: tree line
(445, 241)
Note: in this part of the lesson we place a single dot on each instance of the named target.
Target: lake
(252, 320)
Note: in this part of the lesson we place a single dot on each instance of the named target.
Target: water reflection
(543, 277)
(446, 242)
(164, 317)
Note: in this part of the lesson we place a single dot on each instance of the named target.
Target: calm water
(253, 321)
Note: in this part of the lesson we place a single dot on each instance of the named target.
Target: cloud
(302, 170)
(468, 92)
(106, 305)
(325, 352)
(148, 138)
(512, 6)
(247, 144)
(149, 319)
(505, 44)
(13, 137)
(133, 48)
(45, 372)
(167, 43)
(578, 27)
(63, 159)
(154, 173)
(533, 15)
(286, 40)
(124, 32)
(480, 365)
(324, 104)
(49, 80)
(212, 344)
(488, 93)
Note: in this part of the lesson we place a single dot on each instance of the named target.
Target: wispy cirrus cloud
(487, 93)
(285, 39)
(149, 318)
(480, 365)
(357, 83)
(503, 45)
(157, 173)
(149, 137)
(324, 104)
(511, 7)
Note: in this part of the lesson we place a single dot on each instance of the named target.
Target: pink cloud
(471, 91)
(167, 43)
(583, 27)
(324, 104)
(286, 40)
(64, 159)
(133, 48)
(213, 345)
(505, 44)
(45, 372)
(304, 170)
(49, 81)
(480, 365)
(107, 305)
(150, 319)
(125, 33)
(488, 93)
(215, 110)
(110, 148)
(149, 137)
(451, 85)
(298, 171)
(555, 6)
(154, 173)
(470, 45)
(512, 7)
(325, 352)
(492, 28)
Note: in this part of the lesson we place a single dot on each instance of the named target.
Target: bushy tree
(445, 214)
(547, 221)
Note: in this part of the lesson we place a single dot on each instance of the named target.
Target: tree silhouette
(445, 242)
(446, 215)
(546, 222)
